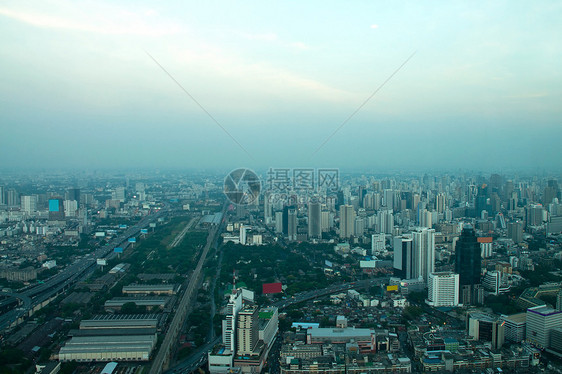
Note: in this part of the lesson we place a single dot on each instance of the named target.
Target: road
(40, 293)
(162, 358)
(177, 240)
(314, 294)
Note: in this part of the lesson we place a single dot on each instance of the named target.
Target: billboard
(392, 288)
(101, 261)
(132, 240)
(268, 288)
(152, 225)
(144, 231)
(328, 263)
(122, 226)
(118, 250)
(53, 205)
(484, 239)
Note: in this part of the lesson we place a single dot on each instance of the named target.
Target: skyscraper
(248, 330)
(515, 231)
(292, 224)
(404, 265)
(314, 220)
(347, 221)
(267, 211)
(229, 323)
(468, 266)
(279, 222)
(467, 256)
(424, 252)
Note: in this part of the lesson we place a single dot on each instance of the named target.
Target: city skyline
(482, 91)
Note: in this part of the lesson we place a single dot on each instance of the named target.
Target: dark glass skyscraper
(468, 260)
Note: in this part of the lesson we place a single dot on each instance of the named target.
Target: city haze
(482, 92)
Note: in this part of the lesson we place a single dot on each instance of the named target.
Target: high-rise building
(56, 209)
(2, 195)
(386, 221)
(515, 231)
(388, 198)
(325, 221)
(12, 198)
(378, 243)
(468, 266)
(467, 256)
(119, 193)
(404, 265)
(359, 228)
(534, 215)
(267, 209)
(443, 289)
(440, 203)
(243, 237)
(347, 221)
(550, 192)
(70, 208)
(314, 220)
(248, 330)
(29, 204)
(292, 223)
(540, 321)
(279, 222)
(73, 194)
(424, 252)
(286, 218)
(229, 323)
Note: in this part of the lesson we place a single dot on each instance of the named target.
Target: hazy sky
(483, 91)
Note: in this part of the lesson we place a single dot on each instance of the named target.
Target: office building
(247, 330)
(424, 252)
(347, 221)
(515, 231)
(267, 209)
(404, 265)
(515, 325)
(486, 327)
(279, 222)
(314, 220)
(292, 224)
(243, 237)
(540, 321)
(468, 264)
(229, 323)
(443, 289)
(56, 209)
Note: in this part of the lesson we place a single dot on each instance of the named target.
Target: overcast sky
(483, 90)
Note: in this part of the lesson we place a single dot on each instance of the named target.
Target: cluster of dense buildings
(248, 333)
